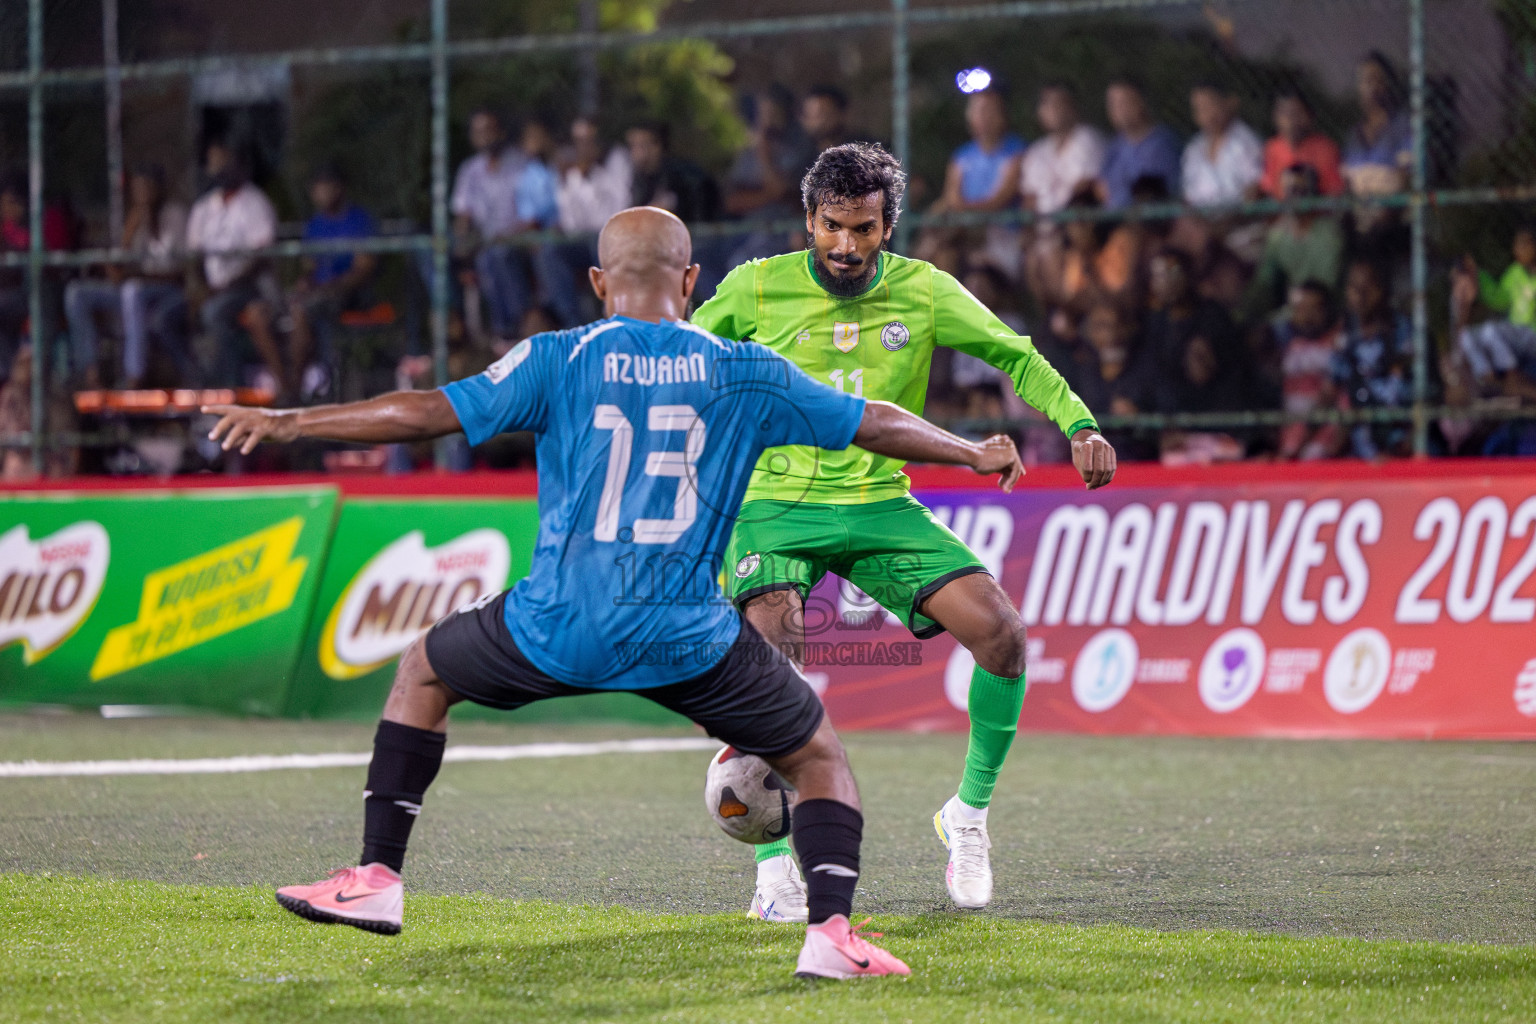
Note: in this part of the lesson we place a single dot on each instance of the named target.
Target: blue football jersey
(646, 437)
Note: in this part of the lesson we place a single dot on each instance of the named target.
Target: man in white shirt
(1225, 160)
(233, 215)
(500, 192)
(1066, 158)
(1069, 155)
(593, 187)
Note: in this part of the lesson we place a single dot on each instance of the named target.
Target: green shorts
(895, 551)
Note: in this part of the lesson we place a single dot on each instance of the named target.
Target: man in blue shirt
(333, 282)
(701, 410)
(1141, 147)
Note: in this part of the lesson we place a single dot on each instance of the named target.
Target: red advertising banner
(1357, 603)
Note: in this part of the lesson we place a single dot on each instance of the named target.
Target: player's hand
(1094, 458)
(998, 455)
(245, 428)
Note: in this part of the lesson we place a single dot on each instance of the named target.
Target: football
(747, 799)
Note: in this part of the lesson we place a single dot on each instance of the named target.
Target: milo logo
(402, 591)
(49, 586)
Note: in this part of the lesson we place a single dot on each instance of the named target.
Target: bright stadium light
(973, 79)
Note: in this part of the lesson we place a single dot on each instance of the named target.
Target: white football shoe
(969, 874)
(780, 895)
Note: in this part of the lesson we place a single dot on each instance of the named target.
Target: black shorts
(753, 699)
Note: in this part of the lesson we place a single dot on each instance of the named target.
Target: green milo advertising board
(398, 565)
(190, 598)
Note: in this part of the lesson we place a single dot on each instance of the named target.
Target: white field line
(275, 762)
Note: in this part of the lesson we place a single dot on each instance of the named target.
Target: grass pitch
(1137, 880)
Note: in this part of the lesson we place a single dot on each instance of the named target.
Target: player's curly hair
(851, 172)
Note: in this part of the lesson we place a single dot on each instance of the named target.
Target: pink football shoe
(368, 897)
(836, 949)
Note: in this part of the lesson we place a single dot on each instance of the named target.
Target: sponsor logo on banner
(204, 597)
(1525, 690)
(1232, 670)
(1104, 670)
(402, 591)
(49, 586)
(845, 336)
(1357, 670)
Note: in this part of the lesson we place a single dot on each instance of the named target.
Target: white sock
(967, 813)
(775, 868)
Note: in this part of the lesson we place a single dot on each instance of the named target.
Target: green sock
(994, 704)
(777, 848)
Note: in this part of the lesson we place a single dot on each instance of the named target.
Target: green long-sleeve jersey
(877, 345)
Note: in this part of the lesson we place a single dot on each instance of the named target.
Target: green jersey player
(866, 321)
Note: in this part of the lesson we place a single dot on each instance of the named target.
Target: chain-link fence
(1432, 102)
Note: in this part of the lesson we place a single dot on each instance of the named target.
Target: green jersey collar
(810, 268)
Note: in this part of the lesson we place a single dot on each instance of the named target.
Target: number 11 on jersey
(855, 380)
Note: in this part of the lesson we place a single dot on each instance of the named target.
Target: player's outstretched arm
(890, 430)
(397, 416)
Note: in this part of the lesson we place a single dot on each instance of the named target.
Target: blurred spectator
(1373, 368)
(1084, 272)
(1191, 340)
(146, 296)
(16, 236)
(16, 418)
(1068, 156)
(1379, 149)
(824, 117)
(1116, 380)
(982, 175)
(1377, 155)
(499, 193)
(233, 215)
(594, 187)
(332, 283)
(764, 183)
(1300, 246)
(1297, 141)
(661, 179)
(1140, 146)
(1308, 341)
(1501, 351)
(1224, 161)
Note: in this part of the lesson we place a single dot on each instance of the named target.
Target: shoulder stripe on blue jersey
(594, 332)
(685, 325)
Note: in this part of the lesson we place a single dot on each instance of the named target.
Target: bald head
(643, 245)
(646, 271)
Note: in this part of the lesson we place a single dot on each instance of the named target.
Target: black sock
(405, 761)
(827, 835)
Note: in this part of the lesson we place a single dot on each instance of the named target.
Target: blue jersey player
(648, 429)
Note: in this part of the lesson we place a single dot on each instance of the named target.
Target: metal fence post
(39, 337)
(114, 83)
(901, 110)
(440, 239)
(1419, 266)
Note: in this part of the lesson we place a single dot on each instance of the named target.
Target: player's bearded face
(846, 240)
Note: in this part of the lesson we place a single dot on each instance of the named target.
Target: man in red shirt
(1297, 141)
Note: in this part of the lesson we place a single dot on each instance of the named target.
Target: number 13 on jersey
(681, 465)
